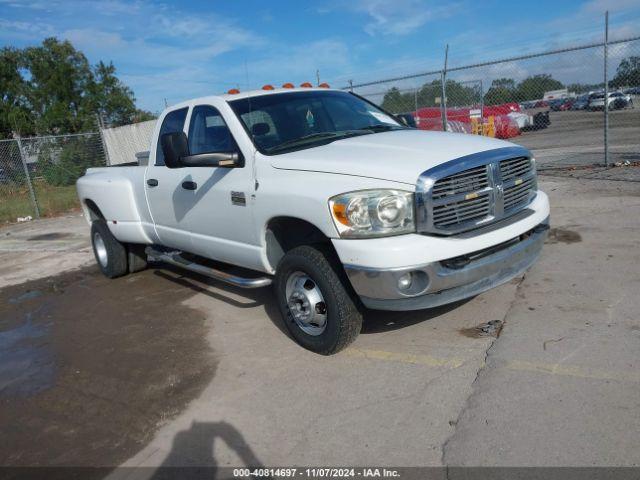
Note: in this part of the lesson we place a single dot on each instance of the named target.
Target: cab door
(217, 210)
(167, 198)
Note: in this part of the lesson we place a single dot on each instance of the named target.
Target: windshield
(284, 122)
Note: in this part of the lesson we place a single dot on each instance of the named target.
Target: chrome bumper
(448, 281)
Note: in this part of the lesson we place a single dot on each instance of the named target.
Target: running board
(174, 258)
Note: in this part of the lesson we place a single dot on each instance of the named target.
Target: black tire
(137, 258)
(112, 259)
(343, 316)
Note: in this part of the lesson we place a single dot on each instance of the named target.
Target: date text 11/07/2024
(315, 473)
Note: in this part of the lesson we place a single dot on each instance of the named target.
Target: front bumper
(446, 281)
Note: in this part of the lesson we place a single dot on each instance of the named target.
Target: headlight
(373, 213)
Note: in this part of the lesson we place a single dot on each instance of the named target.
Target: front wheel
(318, 308)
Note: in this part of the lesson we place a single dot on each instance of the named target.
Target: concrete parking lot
(577, 138)
(164, 368)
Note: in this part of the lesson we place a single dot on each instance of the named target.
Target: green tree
(57, 85)
(502, 90)
(534, 87)
(579, 88)
(111, 99)
(62, 160)
(53, 89)
(627, 73)
(394, 101)
(14, 111)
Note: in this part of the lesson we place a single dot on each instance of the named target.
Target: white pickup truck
(332, 200)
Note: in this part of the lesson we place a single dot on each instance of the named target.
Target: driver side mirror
(175, 148)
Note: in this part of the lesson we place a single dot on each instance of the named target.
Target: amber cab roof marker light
(306, 85)
(233, 91)
(288, 85)
(324, 85)
(268, 87)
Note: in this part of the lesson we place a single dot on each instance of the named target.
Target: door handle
(152, 182)
(189, 185)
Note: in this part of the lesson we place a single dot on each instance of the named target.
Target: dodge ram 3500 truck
(329, 198)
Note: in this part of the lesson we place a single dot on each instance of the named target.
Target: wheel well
(286, 233)
(94, 211)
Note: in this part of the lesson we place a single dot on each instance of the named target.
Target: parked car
(326, 197)
(581, 103)
(527, 105)
(621, 100)
(615, 100)
(561, 104)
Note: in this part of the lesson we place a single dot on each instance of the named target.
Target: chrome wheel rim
(306, 304)
(101, 249)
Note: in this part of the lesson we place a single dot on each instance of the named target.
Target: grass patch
(15, 200)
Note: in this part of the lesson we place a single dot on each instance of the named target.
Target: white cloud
(25, 30)
(399, 17)
(158, 53)
(283, 63)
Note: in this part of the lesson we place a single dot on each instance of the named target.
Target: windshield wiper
(295, 142)
(383, 128)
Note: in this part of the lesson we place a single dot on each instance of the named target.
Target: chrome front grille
(475, 190)
(513, 168)
(518, 195)
(463, 182)
(455, 213)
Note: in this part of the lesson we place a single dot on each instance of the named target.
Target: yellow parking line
(415, 359)
(571, 371)
(516, 365)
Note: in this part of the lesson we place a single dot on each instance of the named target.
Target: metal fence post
(606, 89)
(481, 100)
(32, 192)
(443, 100)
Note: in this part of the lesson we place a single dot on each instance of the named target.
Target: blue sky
(178, 50)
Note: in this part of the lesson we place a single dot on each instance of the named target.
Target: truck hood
(400, 155)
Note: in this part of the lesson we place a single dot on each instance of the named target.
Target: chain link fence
(38, 174)
(551, 102)
(576, 107)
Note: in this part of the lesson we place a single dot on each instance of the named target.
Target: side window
(208, 132)
(173, 122)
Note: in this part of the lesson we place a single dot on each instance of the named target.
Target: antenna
(246, 78)
(317, 77)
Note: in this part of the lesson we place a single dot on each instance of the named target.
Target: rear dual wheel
(115, 259)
